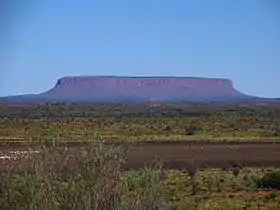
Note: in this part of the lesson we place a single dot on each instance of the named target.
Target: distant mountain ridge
(138, 89)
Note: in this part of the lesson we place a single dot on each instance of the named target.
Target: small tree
(191, 129)
(192, 169)
(236, 168)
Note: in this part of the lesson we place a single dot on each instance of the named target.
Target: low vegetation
(70, 178)
(92, 179)
(270, 180)
(175, 121)
(60, 178)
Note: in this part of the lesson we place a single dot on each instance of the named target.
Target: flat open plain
(177, 155)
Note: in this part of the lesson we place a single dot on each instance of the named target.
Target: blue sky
(45, 40)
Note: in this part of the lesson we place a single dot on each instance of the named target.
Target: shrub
(80, 179)
(167, 128)
(271, 196)
(191, 129)
(270, 180)
(192, 169)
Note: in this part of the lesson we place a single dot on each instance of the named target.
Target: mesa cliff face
(111, 88)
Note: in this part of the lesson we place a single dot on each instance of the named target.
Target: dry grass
(95, 182)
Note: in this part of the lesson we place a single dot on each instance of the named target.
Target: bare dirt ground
(179, 155)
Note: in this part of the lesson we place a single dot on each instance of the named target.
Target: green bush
(270, 180)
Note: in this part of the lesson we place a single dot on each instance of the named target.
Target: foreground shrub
(144, 190)
(191, 129)
(80, 179)
(270, 180)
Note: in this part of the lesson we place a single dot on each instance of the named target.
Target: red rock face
(145, 81)
(110, 88)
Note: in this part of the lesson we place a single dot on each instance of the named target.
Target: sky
(42, 41)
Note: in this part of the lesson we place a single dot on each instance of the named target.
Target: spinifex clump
(89, 178)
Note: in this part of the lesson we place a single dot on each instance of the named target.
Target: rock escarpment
(137, 89)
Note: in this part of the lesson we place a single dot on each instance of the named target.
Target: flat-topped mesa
(117, 88)
(140, 89)
(109, 81)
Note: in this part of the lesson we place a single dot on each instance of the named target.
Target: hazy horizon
(235, 40)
